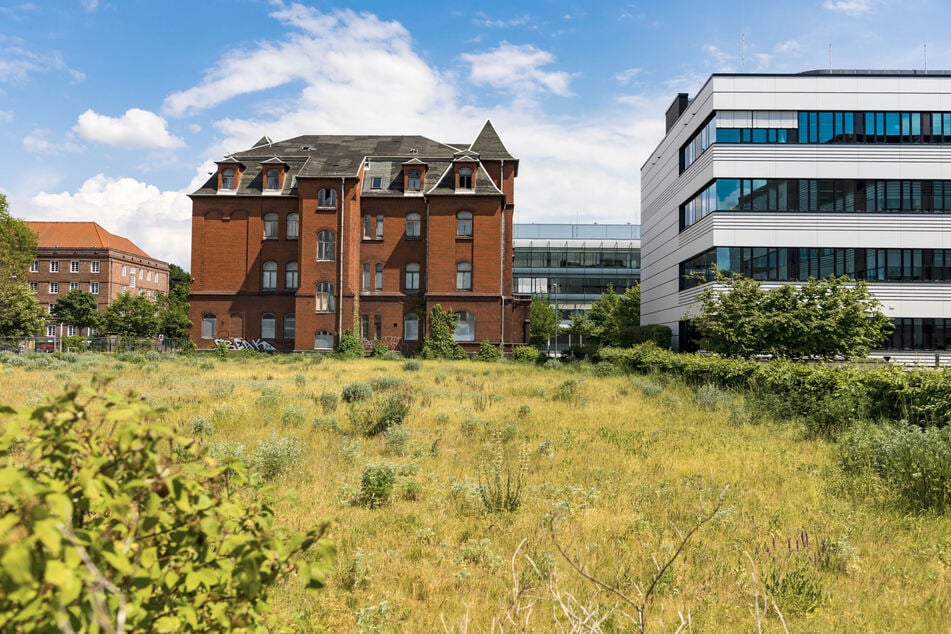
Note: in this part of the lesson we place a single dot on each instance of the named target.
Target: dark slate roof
(335, 156)
(484, 186)
(489, 145)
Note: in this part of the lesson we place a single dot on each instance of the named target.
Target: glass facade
(796, 264)
(817, 195)
(574, 263)
(920, 334)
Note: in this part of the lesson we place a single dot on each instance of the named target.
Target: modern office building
(575, 263)
(294, 242)
(786, 177)
(84, 256)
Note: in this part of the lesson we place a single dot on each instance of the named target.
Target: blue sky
(114, 110)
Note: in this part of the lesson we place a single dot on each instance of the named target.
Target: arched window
(267, 326)
(412, 226)
(293, 226)
(208, 326)
(273, 176)
(464, 224)
(412, 276)
(412, 181)
(227, 178)
(411, 327)
(326, 198)
(464, 276)
(270, 226)
(291, 276)
(465, 326)
(325, 297)
(289, 326)
(465, 178)
(325, 246)
(269, 278)
(323, 340)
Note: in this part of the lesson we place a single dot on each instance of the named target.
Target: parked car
(46, 346)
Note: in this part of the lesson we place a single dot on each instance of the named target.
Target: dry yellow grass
(618, 473)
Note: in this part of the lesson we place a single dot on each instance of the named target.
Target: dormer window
(326, 198)
(412, 181)
(273, 179)
(465, 178)
(227, 178)
(376, 182)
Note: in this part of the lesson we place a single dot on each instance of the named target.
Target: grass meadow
(614, 470)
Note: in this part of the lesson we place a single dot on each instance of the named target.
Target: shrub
(500, 483)
(914, 464)
(412, 365)
(270, 397)
(605, 368)
(395, 441)
(709, 397)
(553, 364)
(647, 387)
(350, 345)
(659, 335)
(440, 342)
(293, 415)
(277, 457)
(356, 573)
(376, 416)
(376, 485)
(356, 391)
(380, 351)
(173, 571)
(381, 383)
(201, 426)
(328, 402)
(489, 352)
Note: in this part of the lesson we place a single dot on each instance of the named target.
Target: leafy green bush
(293, 415)
(412, 365)
(380, 351)
(659, 335)
(102, 530)
(382, 383)
(350, 345)
(201, 426)
(395, 441)
(374, 417)
(525, 354)
(501, 482)
(277, 456)
(489, 352)
(328, 402)
(708, 397)
(376, 485)
(356, 391)
(914, 464)
(440, 342)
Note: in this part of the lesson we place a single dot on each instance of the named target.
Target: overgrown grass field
(612, 470)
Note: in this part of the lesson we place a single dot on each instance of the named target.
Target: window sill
(271, 192)
(227, 192)
(327, 207)
(463, 237)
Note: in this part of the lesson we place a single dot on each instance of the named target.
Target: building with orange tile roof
(83, 255)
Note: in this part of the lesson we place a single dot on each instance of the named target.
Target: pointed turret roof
(489, 145)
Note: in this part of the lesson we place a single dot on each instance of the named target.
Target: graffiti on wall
(393, 343)
(237, 343)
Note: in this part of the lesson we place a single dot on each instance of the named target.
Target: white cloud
(484, 19)
(89, 6)
(6, 116)
(342, 59)
(135, 129)
(39, 143)
(17, 63)
(517, 69)
(848, 7)
(157, 221)
(625, 76)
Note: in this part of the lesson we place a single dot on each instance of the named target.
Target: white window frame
(324, 298)
(54, 266)
(326, 245)
(464, 224)
(290, 326)
(411, 327)
(464, 276)
(94, 266)
(291, 275)
(268, 325)
(465, 328)
(35, 266)
(411, 277)
(327, 198)
(293, 226)
(413, 226)
(270, 226)
(54, 288)
(208, 325)
(269, 276)
(94, 288)
(74, 266)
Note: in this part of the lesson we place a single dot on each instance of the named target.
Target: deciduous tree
(831, 317)
(20, 314)
(132, 316)
(78, 308)
(543, 320)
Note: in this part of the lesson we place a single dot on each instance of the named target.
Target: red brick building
(296, 241)
(83, 255)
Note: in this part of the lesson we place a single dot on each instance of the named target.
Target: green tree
(173, 308)
(440, 343)
(610, 317)
(20, 314)
(77, 308)
(132, 316)
(825, 318)
(111, 521)
(543, 320)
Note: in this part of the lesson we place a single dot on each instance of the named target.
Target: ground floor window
(323, 340)
(465, 326)
(208, 326)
